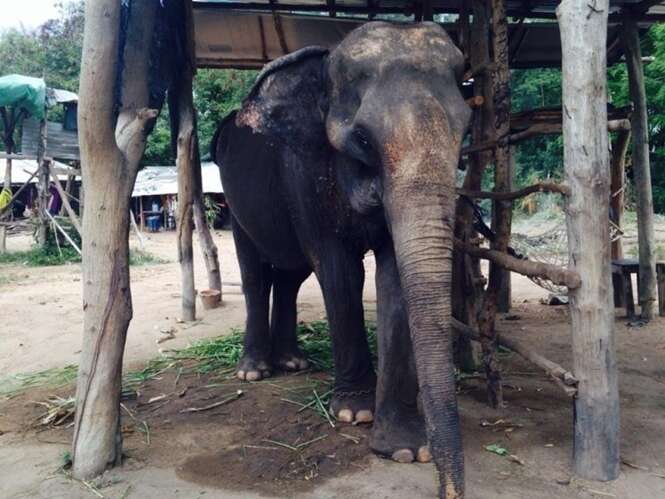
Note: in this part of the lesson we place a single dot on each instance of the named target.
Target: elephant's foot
(353, 406)
(402, 440)
(253, 368)
(290, 360)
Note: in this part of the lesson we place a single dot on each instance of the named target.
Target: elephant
(335, 153)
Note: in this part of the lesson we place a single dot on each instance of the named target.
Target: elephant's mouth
(362, 185)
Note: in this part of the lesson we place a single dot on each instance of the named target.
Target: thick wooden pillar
(181, 104)
(641, 171)
(586, 160)
(112, 142)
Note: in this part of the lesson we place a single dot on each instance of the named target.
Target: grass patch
(138, 257)
(50, 378)
(214, 355)
(37, 257)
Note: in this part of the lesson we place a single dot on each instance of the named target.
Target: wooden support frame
(583, 30)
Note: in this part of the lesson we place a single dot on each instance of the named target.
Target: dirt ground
(245, 448)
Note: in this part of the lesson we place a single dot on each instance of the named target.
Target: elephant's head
(387, 99)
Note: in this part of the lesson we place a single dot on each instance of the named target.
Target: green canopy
(24, 92)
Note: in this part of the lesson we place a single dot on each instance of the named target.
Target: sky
(30, 13)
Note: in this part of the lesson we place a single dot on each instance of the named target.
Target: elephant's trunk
(419, 201)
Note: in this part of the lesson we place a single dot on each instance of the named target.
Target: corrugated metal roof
(161, 180)
(240, 38)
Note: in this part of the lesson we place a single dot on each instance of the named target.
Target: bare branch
(557, 275)
(508, 196)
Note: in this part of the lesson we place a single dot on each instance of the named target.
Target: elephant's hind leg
(286, 353)
(399, 429)
(255, 363)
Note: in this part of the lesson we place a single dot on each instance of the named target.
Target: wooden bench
(623, 288)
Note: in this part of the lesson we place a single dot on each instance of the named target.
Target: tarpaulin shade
(24, 92)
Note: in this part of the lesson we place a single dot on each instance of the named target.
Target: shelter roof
(22, 169)
(162, 180)
(249, 33)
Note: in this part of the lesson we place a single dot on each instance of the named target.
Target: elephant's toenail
(303, 364)
(403, 456)
(345, 416)
(364, 416)
(253, 376)
(424, 455)
(241, 375)
(291, 364)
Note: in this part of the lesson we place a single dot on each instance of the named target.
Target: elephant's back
(250, 169)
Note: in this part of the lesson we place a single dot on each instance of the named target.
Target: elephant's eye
(361, 139)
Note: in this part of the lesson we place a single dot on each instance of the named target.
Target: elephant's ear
(288, 100)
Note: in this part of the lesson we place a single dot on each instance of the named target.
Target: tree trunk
(641, 171)
(501, 210)
(111, 149)
(618, 172)
(181, 104)
(586, 161)
(208, 247)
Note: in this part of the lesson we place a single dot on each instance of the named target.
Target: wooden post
(618, 172)
(208, 246)
(583, 27)
(501, 210)
(505, 297)
(466, 268)
(181, 104)
(42, 187)
(66, 205)
(641, 170)
(112, 142)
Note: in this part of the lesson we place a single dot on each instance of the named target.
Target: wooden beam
(641, 171)
(583, 27)
(529, 268)
(511, 195)
(65, 203)
(564, 378)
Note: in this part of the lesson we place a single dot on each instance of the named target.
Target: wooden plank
(586, 168)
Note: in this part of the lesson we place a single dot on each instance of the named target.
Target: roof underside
(248, 34)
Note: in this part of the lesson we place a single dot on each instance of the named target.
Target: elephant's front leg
(342, 277)
(399, 429)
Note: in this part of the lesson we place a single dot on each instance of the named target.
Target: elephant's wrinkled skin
(332, 154)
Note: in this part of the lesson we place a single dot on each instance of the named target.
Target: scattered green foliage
(212, 355)
(50, 378)
(496, 449)
(138, 257)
